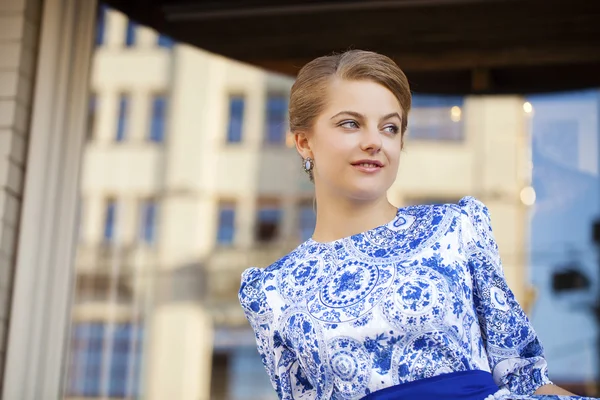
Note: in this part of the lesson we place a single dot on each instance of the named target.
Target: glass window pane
(122, 117)
(276, 119)
(226, 227)
(148, 228)
(158, 121)
(436, 118)
(109, 220)
(236, 119)
(87, 367)
(100, 24)
(86, 351)
(268, 221)
(130, 33)
(165, 41)
(565, 205)
(91, 116)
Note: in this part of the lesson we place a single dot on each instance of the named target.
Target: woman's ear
(302, 145)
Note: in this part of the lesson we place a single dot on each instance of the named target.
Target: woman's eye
(391, 129)
(349, 124)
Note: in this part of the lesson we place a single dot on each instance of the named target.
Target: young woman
(384, 303)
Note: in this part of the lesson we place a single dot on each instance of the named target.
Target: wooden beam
(458, 60)
(439, 43)
(481, 80)
(204, 12)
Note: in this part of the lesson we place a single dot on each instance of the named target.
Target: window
(87, 359)
(122, 117)
(220, 385)
(158, 123)
(148, 226)
(245, 381)
(110, 216)
(236, 119)
(100, 24)
(226, 227)
(130, 33)
(268, 221)
(306, 221)
(165, 41)
(91, 116)
(436, 118)
(560, 140)
(275, 123)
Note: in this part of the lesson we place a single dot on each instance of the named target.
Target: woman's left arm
(515, 354)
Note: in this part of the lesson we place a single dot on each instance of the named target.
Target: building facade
(189, 177)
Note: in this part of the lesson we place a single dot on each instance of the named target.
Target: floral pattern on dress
(420, 296)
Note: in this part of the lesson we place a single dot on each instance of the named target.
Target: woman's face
(356, 141)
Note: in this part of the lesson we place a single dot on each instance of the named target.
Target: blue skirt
(464, 385)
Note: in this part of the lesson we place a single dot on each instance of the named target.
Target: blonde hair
(308, 95)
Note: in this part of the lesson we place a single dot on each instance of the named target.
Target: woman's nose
(371, 140)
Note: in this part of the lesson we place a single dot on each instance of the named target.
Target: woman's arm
(553, 389)
(287, 376)
(515, 354)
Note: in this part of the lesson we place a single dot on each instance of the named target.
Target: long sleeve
(514, 351)
(281, 363)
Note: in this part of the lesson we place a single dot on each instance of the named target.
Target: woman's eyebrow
(352, 113)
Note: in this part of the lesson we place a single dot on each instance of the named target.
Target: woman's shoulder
(475, 214)
(256, 282)
(253, 291)
(256, 277)
(256, 274)
(476, 225)
(470, 205)
(467, 207)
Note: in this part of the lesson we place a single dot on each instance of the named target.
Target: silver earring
(308, 164)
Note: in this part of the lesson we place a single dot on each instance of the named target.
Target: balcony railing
(112, 258)
(223, 269)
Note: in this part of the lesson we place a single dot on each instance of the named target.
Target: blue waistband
(463, 385)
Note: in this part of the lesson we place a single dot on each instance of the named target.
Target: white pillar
(180, 352)
(500, 137)
(43, 278)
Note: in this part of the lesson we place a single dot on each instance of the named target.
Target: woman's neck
(339, 218)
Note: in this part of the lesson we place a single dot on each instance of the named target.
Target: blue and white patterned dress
(421, 296)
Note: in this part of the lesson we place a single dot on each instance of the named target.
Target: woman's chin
(364, 189)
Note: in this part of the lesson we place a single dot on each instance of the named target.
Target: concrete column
(19, 27)
(499, 135)
(107, 117)
(180, 351)
(140, 112)
(146, 37)
(116, 28)
(45, 49)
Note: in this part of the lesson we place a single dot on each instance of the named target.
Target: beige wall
(19, 27)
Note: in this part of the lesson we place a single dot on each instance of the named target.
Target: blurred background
(145, 163)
